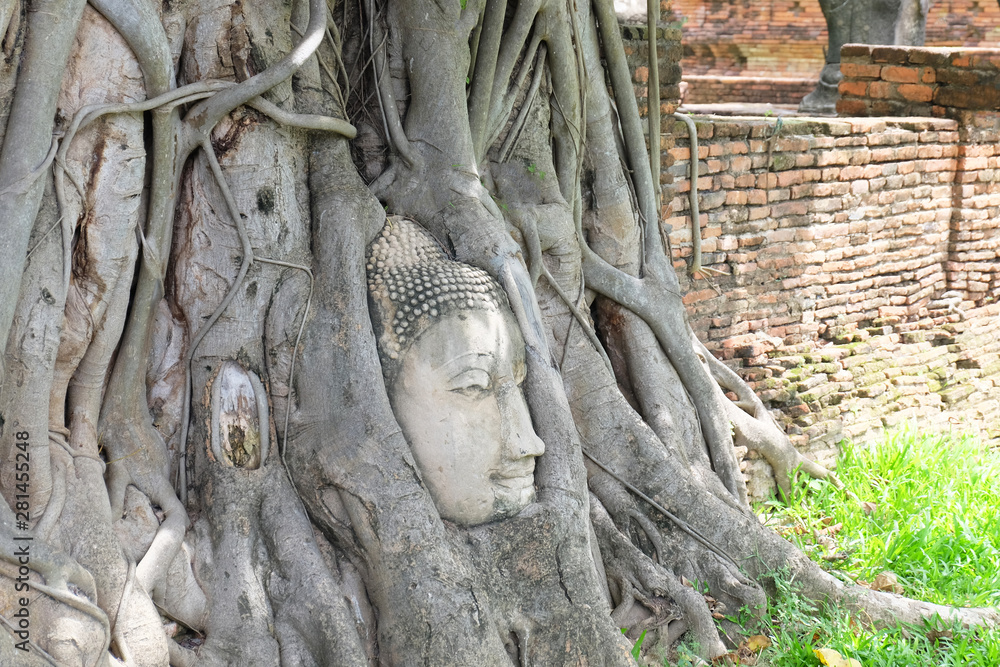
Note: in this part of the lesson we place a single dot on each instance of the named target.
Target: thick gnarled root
(656, 590)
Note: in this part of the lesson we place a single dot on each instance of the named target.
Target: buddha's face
(458, 399)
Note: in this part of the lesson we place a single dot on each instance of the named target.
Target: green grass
(796, 629)
(934, 522)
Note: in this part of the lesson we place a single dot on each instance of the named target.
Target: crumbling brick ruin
(859, 256)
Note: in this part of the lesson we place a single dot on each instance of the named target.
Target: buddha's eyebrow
(485, 359)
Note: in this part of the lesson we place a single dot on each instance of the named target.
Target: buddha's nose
(529, 444)
(521, 439)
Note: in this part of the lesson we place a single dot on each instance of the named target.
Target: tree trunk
(204, 441)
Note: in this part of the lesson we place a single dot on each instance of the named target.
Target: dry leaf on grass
(887, 581)
(827, 656)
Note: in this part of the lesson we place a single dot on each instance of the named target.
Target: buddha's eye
(473, 382)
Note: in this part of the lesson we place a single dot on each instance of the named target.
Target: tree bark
(217, 476)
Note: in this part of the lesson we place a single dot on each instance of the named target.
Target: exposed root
(756, 429)
(684, 526)
(644, 581)
(696, 268)
(395, 133)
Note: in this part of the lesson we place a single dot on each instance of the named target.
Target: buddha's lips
(515, 476)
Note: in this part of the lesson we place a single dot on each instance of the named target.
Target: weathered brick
(885, 203)
(889, 54)
(860, 71)
(881, 90)
(849, 107)
(916, 92)
(852, 87)
(849, 51)
(900, 74)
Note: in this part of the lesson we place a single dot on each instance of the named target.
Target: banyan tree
(346, 333)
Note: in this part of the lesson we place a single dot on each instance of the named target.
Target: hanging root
(696, 268)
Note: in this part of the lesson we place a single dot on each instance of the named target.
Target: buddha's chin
(512, 495)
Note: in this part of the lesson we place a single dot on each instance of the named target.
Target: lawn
(925, 522)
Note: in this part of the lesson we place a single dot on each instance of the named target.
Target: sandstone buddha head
(453, 361)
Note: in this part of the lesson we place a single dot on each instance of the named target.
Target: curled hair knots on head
(412, 284)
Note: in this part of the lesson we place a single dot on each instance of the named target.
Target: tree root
(28, 137)
(756, 429)
(643, 581)
(655, 296)
(292, 611)
(137, 452)
(696, 268)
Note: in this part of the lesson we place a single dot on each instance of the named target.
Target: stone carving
(453, 360)
(240, 430)
(862, 22)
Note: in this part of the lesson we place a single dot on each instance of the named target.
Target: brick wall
(956, 83)
(909, 81)
(747, 90)
(858, 261)
(635, 38)
(786, 38)
(840, 247)
(751, 37)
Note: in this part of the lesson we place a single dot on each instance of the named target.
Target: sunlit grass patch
(929, 513)
(797, 629)
(926, 518)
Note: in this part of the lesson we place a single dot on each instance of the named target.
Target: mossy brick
(816, 393)
(935, 365)
(855, 361)
(782, 162)
(860, 348)
(795, 374)
(957, 394)
(810, 382)
(902, 381)
(791, 362)
(831, 411)
(992, 369)
(832, 399)
(886, 398)
(944, 373)
(829, 427)
(869, 379)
